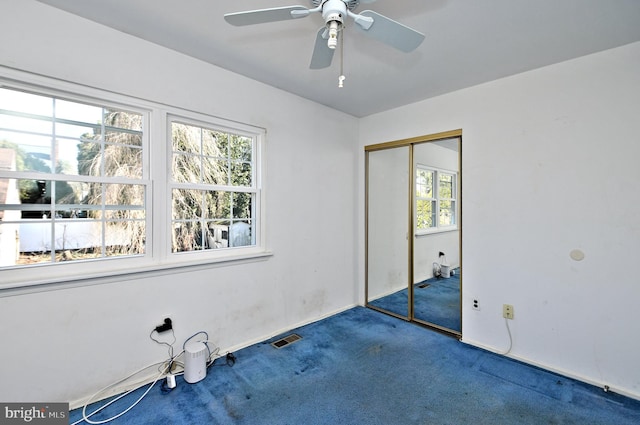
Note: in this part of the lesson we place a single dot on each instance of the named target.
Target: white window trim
(157, 258)
(437, 228)
(205, 121)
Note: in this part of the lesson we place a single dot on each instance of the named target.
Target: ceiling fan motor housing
(334, 10)
(350, 4)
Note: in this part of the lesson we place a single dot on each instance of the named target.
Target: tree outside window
(435, 199)
(78, 169)
(213, 188)
(77, 183)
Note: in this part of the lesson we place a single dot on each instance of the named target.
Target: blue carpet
(363, 367)
(435, 301)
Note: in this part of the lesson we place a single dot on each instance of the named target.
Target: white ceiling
(468, 42)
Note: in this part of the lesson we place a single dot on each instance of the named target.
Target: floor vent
(283, 342)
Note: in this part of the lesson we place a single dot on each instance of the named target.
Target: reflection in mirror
(436, 247)
(387, 230)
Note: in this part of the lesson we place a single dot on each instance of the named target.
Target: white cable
(176, 362)
(85, 417)
(506, 322)
(167, 366)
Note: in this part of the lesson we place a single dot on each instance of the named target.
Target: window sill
(435, 231)
(119, 275)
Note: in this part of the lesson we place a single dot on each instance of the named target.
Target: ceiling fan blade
(391, 32)
(322, 54)
(262, 16)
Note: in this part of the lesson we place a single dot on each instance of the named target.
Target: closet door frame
(411, 222)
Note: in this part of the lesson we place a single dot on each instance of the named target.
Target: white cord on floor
(167, 366)
(85, 417)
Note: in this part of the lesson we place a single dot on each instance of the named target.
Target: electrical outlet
(476, 304)
(507, 311)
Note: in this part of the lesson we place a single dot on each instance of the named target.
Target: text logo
(34, 413)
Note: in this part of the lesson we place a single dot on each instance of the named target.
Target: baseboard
(568, 374)
(287, 329)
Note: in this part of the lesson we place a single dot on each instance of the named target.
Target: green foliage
(30, 192)
(425, 214)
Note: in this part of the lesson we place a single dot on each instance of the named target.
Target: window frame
(437, 199)
(216, 124)
(157, 160)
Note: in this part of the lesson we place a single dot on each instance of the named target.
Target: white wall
(550, 164)
(65, 344)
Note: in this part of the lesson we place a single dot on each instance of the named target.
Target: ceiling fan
(334, 13)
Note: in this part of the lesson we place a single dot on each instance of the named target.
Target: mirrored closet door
(388, 218)
(413, 230)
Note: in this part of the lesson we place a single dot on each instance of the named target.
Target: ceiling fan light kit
(333, 12)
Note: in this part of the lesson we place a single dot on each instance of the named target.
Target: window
(435, 195)
(85, 173)
(213, 188)
(73, 180)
